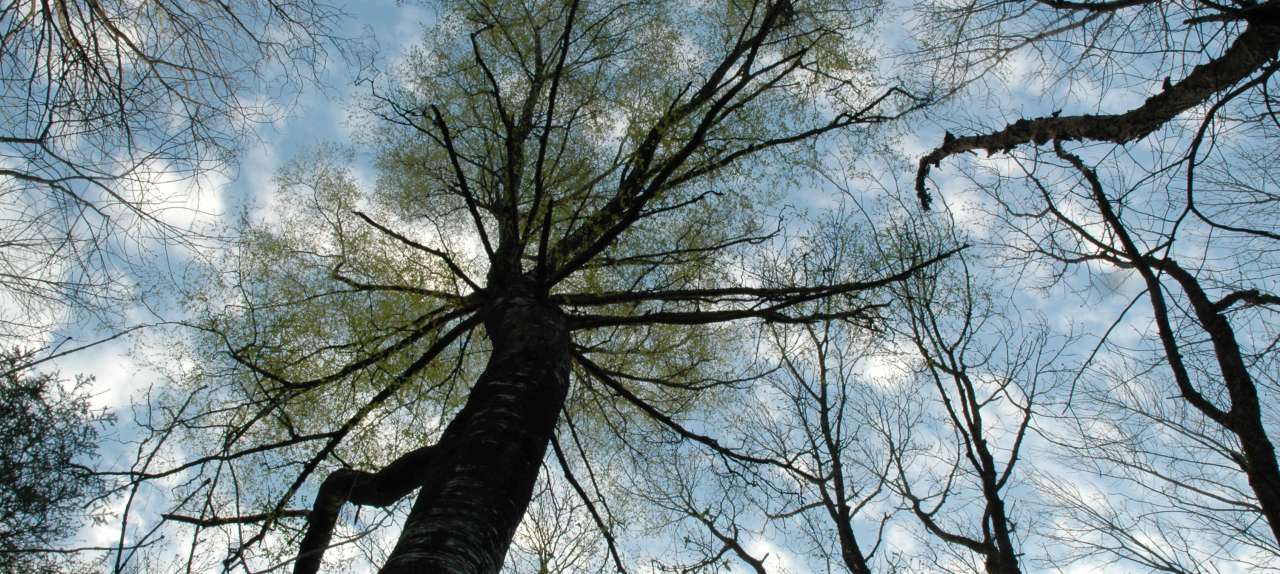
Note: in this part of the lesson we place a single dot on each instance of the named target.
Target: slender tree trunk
(849, 550)
(1245, 416)
(1003, 558)
(490, 455)
(1262, 470)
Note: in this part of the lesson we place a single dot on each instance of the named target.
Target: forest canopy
(729, 286)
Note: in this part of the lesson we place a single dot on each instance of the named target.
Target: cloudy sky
(324, 114)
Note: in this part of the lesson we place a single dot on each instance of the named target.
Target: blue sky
(323, 115)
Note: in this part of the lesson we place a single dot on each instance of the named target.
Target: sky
(324, 115)
(320, 115)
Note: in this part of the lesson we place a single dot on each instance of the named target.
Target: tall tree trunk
(490, 455)
(1002, 557)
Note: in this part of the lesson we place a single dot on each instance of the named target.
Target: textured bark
(489, 457)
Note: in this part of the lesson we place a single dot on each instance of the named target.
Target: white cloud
(775, 558)
(116, 374)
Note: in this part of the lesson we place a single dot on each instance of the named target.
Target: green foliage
(656, 170)
(48, 435)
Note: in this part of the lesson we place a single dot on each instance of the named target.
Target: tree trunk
(491, 453)
(1003, 558)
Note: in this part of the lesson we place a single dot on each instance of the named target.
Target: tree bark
(490, 454)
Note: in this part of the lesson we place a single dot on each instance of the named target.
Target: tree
(48, 436)
(113, 114)
(797, 456)
(989, 368)
(570, 244)
(822, 415)
(574, 179)
(1195, 227)
(925, 421)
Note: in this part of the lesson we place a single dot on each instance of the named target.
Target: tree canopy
(564, 187)
(48, 437)
(663, 286)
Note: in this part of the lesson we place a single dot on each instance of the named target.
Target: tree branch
(226, 520)
(1252, 49)
(601, 375)
(380, 489)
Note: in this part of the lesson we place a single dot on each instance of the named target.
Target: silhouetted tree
(564, 186)
(48, 438)
(1172, 190)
